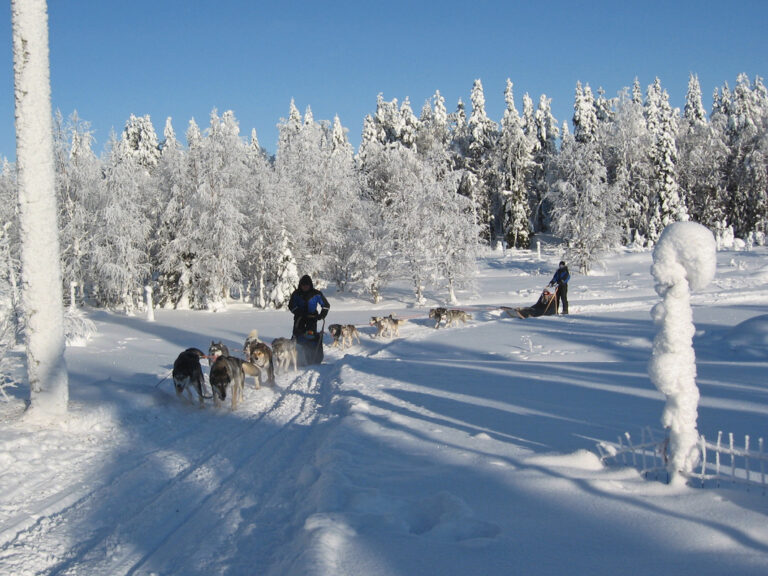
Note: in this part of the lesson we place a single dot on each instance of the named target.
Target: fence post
(733, 457)
(622, 452)
(703, 458)
(631, 448)
(746, 459)
(717, 456)
(762, 465)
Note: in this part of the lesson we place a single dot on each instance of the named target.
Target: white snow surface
(466, 450)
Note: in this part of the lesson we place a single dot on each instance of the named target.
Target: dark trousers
(562, 298)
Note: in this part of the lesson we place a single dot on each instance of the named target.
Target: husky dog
(260, 355)
(387, 325)
(187, 372)
(227, 372)
(335, 331)
(215, 350)
(438, 315)
(349, 333)
(344, 335)
(455, 316)
(284, 353)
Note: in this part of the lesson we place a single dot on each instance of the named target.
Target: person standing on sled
(308, 305)
(561, 278)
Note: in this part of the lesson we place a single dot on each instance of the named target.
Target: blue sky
(182, 58)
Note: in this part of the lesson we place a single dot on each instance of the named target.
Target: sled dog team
(227, 373)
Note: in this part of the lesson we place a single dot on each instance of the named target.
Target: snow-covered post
(684, 259)
(538, 249)
(72, 289)
(150, 304)
(41, 268)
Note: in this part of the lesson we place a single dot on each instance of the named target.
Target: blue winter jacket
(561, 275)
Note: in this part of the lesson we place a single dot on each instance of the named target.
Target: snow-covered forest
(220, 218)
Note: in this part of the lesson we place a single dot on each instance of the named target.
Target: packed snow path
(191, 496)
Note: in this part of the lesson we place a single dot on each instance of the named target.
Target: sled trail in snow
(218, 482)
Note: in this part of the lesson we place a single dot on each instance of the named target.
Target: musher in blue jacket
(308, 305)
(561, 278)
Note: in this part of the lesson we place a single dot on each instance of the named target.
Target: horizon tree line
(221, 218)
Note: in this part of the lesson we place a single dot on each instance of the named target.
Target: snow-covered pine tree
(120, 259)
(264, 226)
(10, 257)
(747, 111)
(514, 163)
(78, 180)
(409, 124)
(141, 141)
(285, 274)
(702, 155)
(668, 200)
(584, 206)
(484, 135)
(626, 144)
(217, 205)
(546, 134)
(173, 252)
(41, 280)
(346, 230)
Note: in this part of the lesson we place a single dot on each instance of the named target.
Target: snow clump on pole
(684, 259)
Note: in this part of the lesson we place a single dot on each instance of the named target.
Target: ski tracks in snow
(217, 482)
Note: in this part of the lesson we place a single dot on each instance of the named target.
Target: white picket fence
(721, 462)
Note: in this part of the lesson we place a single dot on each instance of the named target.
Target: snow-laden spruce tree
(627, 145)
(346, 231)
(10, 246)
(514, 159)
(265, 225)
(121, 231)
(702, 156)
(585, 208)
(78, 182)
(668, 200)
(684, 259)
(746, 108)
(218, 180)
(484, 135)
(141, 141)
(286, 274)
(546, 134)
(172, 252)
(41, 271)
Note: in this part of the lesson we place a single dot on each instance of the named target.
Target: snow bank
(685, 256)
(750, 337)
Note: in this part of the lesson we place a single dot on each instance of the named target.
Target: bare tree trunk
(41, 263)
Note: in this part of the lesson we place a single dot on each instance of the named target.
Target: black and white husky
(438, 315)
(344, 335)
(187, 373)
(215, 350)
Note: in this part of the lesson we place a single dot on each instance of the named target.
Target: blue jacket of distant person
(561, 275)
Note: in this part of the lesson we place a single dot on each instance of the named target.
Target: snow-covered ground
(468, 450)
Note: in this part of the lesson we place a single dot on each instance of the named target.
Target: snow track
(217, 482)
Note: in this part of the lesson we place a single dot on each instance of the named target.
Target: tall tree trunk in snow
(41, 272)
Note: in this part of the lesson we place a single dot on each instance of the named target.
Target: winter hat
(306, 281)
(562, 263)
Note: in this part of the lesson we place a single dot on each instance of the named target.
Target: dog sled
(309, 346)
(546, 305)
